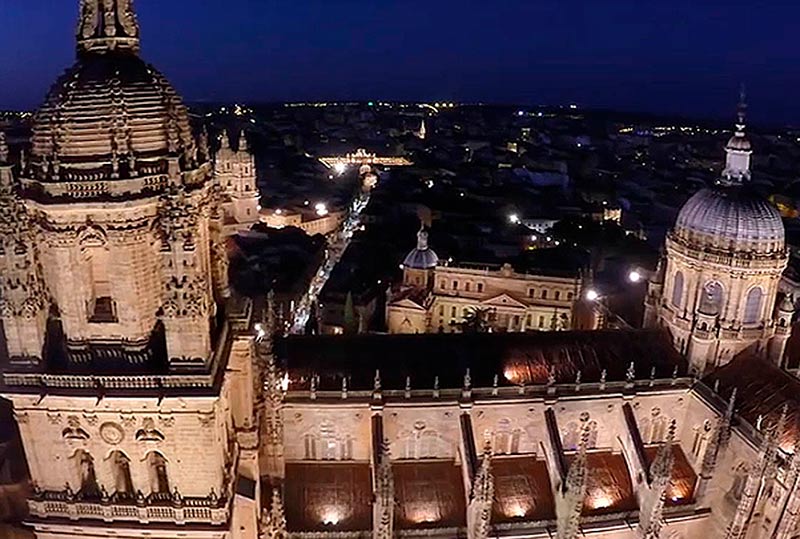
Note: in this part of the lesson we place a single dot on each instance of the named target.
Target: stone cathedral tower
(129, 367)
(236, 173)
(716, 290)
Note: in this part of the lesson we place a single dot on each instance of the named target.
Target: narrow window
(159, 481)
(752, 308)
(677, 289)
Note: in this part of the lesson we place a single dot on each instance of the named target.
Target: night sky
(668, 57)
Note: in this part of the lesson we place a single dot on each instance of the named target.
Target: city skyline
(677, 59)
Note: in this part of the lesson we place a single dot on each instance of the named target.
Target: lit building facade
(362, 157)
(436, 298)
(129, 366)
(235, 171)
(532, 435)
(716, 289)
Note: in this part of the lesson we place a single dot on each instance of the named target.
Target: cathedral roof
(517, 358)
(110, 112)
(730, 217)
(762, 390)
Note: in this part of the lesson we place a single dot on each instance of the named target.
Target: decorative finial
(3, 149)
(741, 109)
(107, 25)
(436, 387)
(344, 387)
(376, 383)
(551, 375)
(408, 387)
(630, 374)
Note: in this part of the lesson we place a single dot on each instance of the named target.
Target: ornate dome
(110, 104)
(111, 113)
(422, 257)
(730, 217)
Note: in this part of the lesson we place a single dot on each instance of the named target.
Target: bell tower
(129, 370)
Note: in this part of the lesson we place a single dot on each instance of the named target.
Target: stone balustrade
(186, 511)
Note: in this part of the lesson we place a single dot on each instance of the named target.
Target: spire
(651, 520)
(738, 150)
(574, 489)
(274, 525)
(384, 496)
(224, 141)
(243, 142)
(481, 498)
(741, 112)
(107, 25)
(3, 149)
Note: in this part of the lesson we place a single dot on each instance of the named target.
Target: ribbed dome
(109, 107)
(421, 259)
(730, 217)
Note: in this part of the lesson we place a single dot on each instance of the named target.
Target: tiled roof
(515, 357)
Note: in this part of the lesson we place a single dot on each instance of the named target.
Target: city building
(716, 291)
(311, 221)
(362, 157)
(235, 171)
(153, 402)
(435, 297)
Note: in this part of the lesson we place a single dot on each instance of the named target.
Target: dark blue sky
(679, 56)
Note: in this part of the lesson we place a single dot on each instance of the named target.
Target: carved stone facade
(134, 395)
(235, 171)
(436, 298)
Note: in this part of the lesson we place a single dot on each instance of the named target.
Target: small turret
(784, 315)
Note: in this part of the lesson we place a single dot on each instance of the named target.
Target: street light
(513, 218)
(634, 276)
(340, 168)
(592, 294)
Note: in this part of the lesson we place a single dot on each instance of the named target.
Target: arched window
(87, 477)
(677, 289)
(752, 307)
(121, 466)
(159, 481)
(711, 298)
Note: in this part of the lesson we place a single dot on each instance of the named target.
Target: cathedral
(153, 402)
(716, 289)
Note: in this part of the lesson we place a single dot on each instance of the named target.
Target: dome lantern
(107, 25)
(738, 149)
